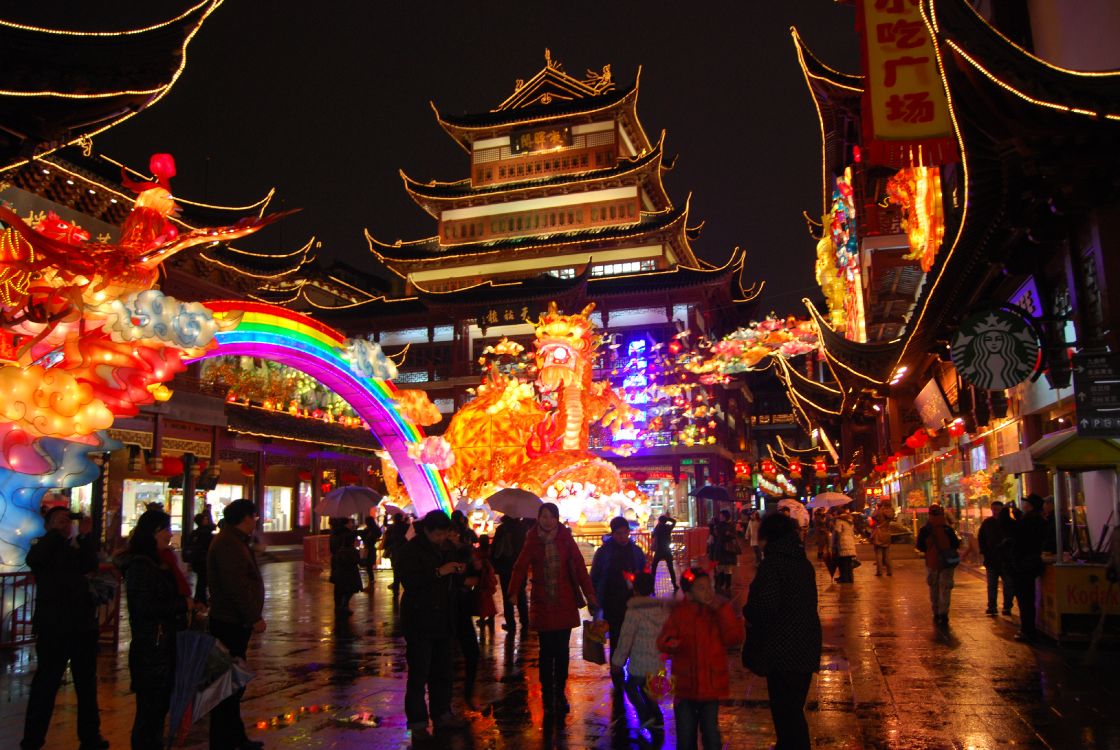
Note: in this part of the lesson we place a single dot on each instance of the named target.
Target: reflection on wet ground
(888, 680)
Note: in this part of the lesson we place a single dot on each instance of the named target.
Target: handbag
(594, 638)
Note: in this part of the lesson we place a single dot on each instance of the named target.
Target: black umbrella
(713, 492)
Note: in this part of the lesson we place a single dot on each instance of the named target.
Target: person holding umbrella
(157, 610)
(560, 582)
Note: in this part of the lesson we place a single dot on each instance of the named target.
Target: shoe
(1023, 637)
(418, 727)
(878, 573)
(1007, 613)
(889, 574)
(990, 611)
(508, 628)
(449, 721)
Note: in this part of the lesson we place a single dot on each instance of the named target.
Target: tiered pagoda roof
(552, 95)
(68, 73)
(646, 170)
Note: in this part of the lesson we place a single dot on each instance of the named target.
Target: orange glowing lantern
(795, 468)
(820, 467)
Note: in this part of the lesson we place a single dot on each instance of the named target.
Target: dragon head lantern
(564, 347)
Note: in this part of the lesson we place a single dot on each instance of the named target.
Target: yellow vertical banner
(905, 108)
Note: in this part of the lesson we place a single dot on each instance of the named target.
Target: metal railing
(17, 609)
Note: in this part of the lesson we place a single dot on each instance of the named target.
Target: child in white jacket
(645, 616)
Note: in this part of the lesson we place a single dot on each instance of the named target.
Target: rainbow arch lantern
(296, 340)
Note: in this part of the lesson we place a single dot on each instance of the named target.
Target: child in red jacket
(696, 637)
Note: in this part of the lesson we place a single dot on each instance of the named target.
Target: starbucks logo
(995, 349)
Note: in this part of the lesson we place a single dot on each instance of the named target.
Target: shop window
(221, 496)
(277, 515)
(136, 495)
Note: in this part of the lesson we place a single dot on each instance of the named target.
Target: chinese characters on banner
(905, 110)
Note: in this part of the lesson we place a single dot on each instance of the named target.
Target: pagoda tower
(563, 181)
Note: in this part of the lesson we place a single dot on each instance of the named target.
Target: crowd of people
(447, 578)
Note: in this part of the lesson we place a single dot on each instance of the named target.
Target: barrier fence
(17, 608)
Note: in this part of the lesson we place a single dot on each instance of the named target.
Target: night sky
(327, 104)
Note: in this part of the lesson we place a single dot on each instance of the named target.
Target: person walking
(725, 553)
(752, 535)
(396, 535)
(783, 641)
(844, 546)
(370, 535)
(560, 582)
(696, 637)
(1028, 537)
(65, 627)
(345, 573)
(662, 538)
(482, 605)
(236, 612)
(157, 610)
(881, 536)
(427, 575)
(613, 567)
(637, 644)
(199, 545)
(939, 543)
(509, 538)
(990, 538)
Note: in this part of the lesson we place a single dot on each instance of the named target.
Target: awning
(1066, 450)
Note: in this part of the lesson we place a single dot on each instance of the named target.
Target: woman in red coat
(560, 583)
(696, 636)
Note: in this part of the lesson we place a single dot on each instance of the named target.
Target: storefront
(1074, 594)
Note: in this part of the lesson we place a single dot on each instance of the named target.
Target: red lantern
(768, 469)
(166, 466)
(325, 487)
(742, 469)
(674, 347)
(956, 428)
(248, 470)
(820, 467)
(348, 478)
(304, 476)
(795, 468)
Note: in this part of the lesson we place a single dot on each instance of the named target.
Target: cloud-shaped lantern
(368, 361)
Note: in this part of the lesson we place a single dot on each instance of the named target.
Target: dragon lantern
(535, 433)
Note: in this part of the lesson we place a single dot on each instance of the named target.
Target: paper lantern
(304, 476)
(820, 468)
(956, 428)
(768, 468)
(795, 468)
(248, 470)
(742, 469)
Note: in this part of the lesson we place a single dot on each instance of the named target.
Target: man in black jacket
(990, 538)
(236, 606)
(1028, 534)
(65, 627)
(428, 621)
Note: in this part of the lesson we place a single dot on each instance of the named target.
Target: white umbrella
(829, 500)
(516, 502)
(796, 510)
(344, 502)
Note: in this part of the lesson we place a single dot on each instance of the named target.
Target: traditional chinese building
(564, 201)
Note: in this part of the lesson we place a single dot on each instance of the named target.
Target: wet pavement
(888, 680)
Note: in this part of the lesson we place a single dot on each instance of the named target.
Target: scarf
(551, 563)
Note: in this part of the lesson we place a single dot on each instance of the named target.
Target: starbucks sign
(995, 349)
